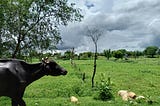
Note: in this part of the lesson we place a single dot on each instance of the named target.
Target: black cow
(16, 75)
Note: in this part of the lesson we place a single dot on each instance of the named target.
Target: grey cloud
(154, 37)
(64, 47)
(129, 24)
(129, 6)
(89, 4)
(153, 41)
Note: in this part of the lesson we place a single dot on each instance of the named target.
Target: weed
(103, 88)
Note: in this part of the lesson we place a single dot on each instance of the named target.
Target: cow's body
(16, 75)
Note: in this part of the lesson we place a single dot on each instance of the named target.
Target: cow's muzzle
(64, 72)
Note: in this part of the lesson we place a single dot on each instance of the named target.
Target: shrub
(81, 90)
(118, 54)
(103, 89)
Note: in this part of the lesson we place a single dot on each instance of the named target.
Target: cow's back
(8, 80)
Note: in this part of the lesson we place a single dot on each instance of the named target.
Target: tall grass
(141, 76)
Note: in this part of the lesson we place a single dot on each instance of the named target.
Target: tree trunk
(95, 65)
(17, 47)
(16, 50)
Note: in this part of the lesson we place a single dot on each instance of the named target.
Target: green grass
(141, 76)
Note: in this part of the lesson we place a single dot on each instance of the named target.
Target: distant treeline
(150, 52)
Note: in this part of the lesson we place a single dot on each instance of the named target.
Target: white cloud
(129, 24)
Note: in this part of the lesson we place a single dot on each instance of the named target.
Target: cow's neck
(37, 71)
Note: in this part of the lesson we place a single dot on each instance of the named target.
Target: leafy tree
(151, 51)
(123, 51)
(86, 55)
(118, 54)
(57, 55)
(67, 55)
(136, 54)
(107, 53)
(158, 51)
(34, 24)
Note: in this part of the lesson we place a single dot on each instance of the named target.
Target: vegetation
(27, 25)
(94, 33)
(150, 51)
(107, 53)
(140, 76)
(118, 54)
(103, 88)
(30, 27)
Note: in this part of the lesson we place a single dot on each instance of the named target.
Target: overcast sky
(128, 24)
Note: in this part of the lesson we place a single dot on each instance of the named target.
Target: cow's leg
(14, 102)
(21, 102)
(18, 101)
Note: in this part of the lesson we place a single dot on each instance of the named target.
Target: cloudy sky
(128, 24)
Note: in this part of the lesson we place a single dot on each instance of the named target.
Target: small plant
(103, 88)
(81, 89)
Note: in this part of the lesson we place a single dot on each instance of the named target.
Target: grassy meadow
(141, 76)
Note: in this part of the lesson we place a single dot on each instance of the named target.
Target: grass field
(141, 76)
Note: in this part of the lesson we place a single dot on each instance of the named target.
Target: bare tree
(94, 33)
(72, 55)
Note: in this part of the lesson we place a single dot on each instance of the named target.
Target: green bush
(103, 89)
(118, 54)
(81, 90)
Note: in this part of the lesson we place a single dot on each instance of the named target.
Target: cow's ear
(45, 60)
